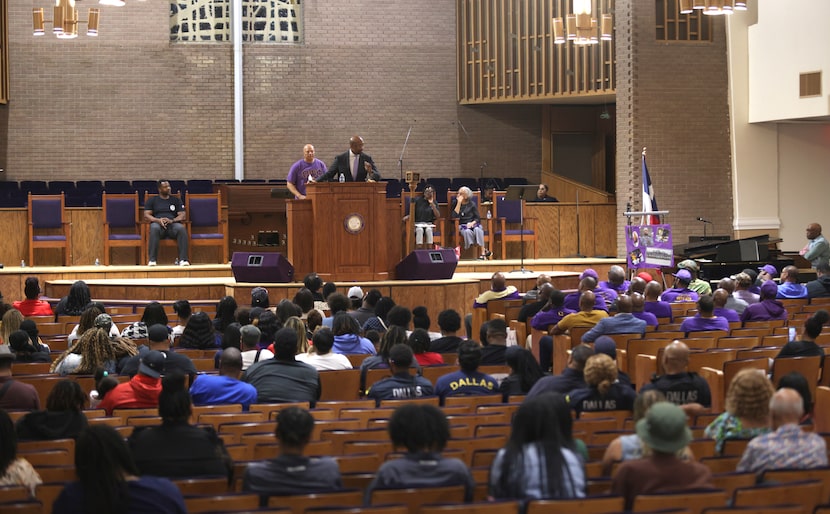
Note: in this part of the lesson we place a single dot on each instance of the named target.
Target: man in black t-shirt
(681, 387)
(165, 213)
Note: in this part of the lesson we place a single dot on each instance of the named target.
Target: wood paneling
(557, 229)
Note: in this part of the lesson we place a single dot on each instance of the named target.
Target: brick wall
(672, 98)
(131, 105)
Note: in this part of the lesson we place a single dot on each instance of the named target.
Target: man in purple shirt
(705, 318)
(587, 283)
(551, 313)
(720, 298)
(301, 170)
(616, 280)
(637, 309)
(680, 292)
(768, 308)
(653, 303)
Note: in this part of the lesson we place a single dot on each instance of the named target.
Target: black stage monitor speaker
(261, 267)
(427, 265)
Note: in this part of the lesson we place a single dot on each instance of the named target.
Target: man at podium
(352, 166)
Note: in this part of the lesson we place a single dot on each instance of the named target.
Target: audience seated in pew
(524, 372)
(62, 419)
(747, 409)
(468, 380)
(225, 387)
(604, 391)
(401, 385)
(321, 355)
(681, 387)
(14, 470)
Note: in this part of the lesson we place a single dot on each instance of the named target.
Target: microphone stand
(403, 150)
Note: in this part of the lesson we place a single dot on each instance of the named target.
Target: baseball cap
(157, 333)
(683, 275)
(259, 296)
(589, 272)
(645, 276)
(355, 292)
(769, 268)
(606, 345)
(152, 364)
(769, 289)
(689, 264)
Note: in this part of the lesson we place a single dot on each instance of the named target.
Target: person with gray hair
(251, 336)
(469, 222)
(787, 447)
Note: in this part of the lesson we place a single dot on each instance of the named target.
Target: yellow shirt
(582, 319)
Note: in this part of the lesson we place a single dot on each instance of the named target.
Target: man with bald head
(638, 303)
(354, 165)
(719, 300)
(534, 293)
(529, 310)
(637, 285)
(733, 302)
(307, 168)
(224, 388)
(705, 319)
(616, 280)
(654, 304)
(587, 283)
(587, 317)
(499, 290)
(817, 250)
(787, 447)
(689, 390)
(789, 286)
(622, 323)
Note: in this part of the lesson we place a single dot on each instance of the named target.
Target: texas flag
(649, 201)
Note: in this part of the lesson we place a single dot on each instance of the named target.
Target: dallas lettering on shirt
(681, 397)
(474, 382)
(407, 392)
(683, 298)
(594, 405)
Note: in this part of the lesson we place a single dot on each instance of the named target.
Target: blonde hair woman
(11, 322)
(747, 409)
(604, 391)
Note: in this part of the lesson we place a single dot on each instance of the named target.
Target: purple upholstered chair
(122, 224)
(437, 232)
(204, 212)
(510, 213)
(48, 226)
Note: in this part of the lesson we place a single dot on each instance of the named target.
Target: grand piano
(719, 256)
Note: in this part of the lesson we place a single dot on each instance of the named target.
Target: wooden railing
(506, 53)
(565, 190)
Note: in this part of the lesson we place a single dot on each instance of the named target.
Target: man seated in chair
(426, 212)
(165, 213)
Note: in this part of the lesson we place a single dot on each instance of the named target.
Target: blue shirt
(221, 390)
(791, 290)
(569, 380)
(148, 495)
(622, 323)
(462, 383)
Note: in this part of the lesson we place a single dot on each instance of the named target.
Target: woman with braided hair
(92, 351)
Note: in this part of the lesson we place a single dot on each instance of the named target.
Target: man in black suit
(355, 165)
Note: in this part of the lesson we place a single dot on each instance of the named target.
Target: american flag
(649, 201)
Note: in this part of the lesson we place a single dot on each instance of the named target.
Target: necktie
(355, 169)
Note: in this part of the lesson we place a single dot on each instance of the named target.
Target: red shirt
(33, 307)
(140, 392)
(429, 358)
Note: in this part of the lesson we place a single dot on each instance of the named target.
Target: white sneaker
(151, 263)
(184, 263)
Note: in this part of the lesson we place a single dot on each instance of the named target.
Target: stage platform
(212, 281)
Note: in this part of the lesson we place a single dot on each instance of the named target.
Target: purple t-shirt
(729, 314)
(677, 294)
(300, 171)
(543, 319)
(648, 317)
(698, 324)
(572, 302)
(659, 309)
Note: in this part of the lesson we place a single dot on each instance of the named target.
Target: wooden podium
(343, 235)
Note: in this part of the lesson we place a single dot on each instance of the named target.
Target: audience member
(531, 309)
(768, 308)
(355, 296)
(553, 310)
(798, 382)
(347, 338)
(606, 345)
(225, 387)
(533, 293)
(747, 409)
(30, 327)
(16, 395)
(87, 321)
(314, 283)
(92, 351)
(587, 317)
(11, 321)
(423, 431)
(449, 321)
(337, 303)
(109, 481)
(719, 300)
(622, 323)
(638, 309)
(664, 432)
(159, 340)
(705, 319)
(420, 319)
(587, 282)
(743, 284)
(268, 324)
(283, 379)
(259, 298)
(680, 292)
(734, 303)
(536, 463)
(24, 350)
(820, 287)
(616, 280)
(468, 381)
(654, 304)
(378, 321)
(226, 314)
(571, 378)
(787, 446)
(604, 391)
(321, 356)
(291, 472)
(33, 305)
(367, 306)
(394, 336)
(199, 333)
(697, 285)
(251, 354)
(177, 449)
(63, 418)
(638, 285)
(807, 346)
(789, 286)
(524, 372)
(495, 343)
(678, 384)
(74, 303)
(14, 470)
(142, 391)
(183, 312)
(401, 385)
(153, 314)
(419, 342)
(104, 383)
(499, 290)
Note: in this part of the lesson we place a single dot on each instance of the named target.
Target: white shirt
(352, 157)
(249, 356)
(328, 362)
